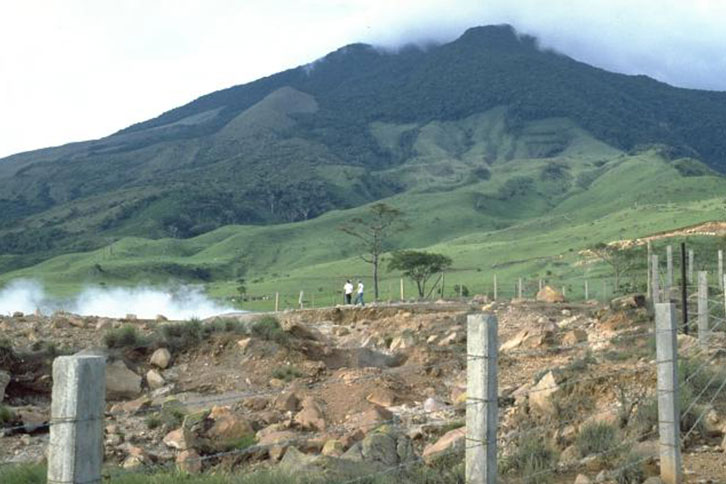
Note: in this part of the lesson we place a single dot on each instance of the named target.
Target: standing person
(359, 297)
(348, 291)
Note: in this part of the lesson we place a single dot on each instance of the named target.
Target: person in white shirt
(348, 291)
(359, 297)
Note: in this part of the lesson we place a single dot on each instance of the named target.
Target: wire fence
(703, 384)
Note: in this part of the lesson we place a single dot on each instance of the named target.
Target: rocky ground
(354, 390)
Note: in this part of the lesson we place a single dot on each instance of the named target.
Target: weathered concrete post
(690, 266)
(75, 450)
(564, 291)
(668, 411)
(519, 288)
(648, 290)
(495, 287)
(300, 299)
(277, 301)
(402, 289)
(654, 283)
(703, 330)
(720, 269)
(587, 291)
(481, 402)
(669, 274)
(540, 285)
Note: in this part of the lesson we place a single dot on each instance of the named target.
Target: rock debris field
(351, 391)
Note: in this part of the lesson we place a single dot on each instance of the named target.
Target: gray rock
(380, 447)
(4, 381)
(121, 382)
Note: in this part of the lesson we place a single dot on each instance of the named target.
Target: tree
(419, 266)
(373, 230)
(621, 261)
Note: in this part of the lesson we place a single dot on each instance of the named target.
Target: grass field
(522, 222)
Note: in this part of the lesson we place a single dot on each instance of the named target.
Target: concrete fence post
(587, 291)
(703, 330)
(402, 289)
(668, 411)
(75, 450)
(691, 257)
(654, 283)
(277, 301)
(564, 291)
(648, 290)
(300, 299)
(495, 287)
(720, 269)
(540, 285)
(481, 403)
(519, 288)
(669, 274)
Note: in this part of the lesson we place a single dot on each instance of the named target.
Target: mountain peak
(497, 36)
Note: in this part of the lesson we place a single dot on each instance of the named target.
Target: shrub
(286, 373)
(596, 438)
(23, 474)
(532, 457)
(268, 328)
(225, 326)
(153, 421)
(6, 415)
(630, 470)
(180, 336)
(126, 336)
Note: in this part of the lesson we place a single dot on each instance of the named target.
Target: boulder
(333, 447)
(175, 439)
(574, 337)
(227, 429)
(189, 461)
(382, 397)
(433, 404)
(31, 418)
(542, 394)
(451, 338)
(161, 358)
(631, 301)
(403, 341)
(453, 439)
(311, 416)
(380, 447)
(287, 402)
(295, 462)
(532, 338)
(121, 382)
(550, 295)
(4, 381)
(371, 418)
(582, 479)
(154, 379)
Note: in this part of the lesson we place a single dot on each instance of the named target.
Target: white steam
(144, 302)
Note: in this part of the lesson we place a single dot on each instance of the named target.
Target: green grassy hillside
(474, 118)
(529, 218)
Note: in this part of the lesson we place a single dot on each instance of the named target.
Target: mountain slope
(357, 126)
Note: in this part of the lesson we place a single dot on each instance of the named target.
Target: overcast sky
(73, 70)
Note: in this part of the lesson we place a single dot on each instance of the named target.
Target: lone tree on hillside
(620, 260)
(373, 230)
(419, 266)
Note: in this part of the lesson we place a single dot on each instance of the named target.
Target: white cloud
(81, 69)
